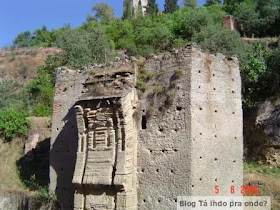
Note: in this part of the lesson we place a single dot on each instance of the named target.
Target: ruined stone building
(135, 5)
(179, 133)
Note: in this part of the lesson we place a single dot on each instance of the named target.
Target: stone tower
(134, 4)
(115, 148)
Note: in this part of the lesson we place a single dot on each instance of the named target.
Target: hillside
(22, 64)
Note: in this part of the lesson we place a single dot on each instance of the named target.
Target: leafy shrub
(52, 63)
(254, 73)
(178, 43)
(170, 98)
(24, 71)
(39, 94)
(261, 74)
(97, 89)
(143, 86)
(159, 89)
(178, 73)
(12, 124)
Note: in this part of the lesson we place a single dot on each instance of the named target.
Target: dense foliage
(152, 7)
(256, 17)
(135, 34)
(84, 46)
(12, 123)
(171, 6)
(39, 38)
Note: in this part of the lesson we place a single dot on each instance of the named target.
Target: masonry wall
(196, 144)
(216, 124)
(64, 138)
(164, 146)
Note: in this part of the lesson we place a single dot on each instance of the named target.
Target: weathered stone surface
(184, 136)
(106, 156)
(262, 133)
(135, 4)
(268, 117)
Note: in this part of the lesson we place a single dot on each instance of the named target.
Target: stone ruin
(110, 151)
(229, 22)
(135, 5)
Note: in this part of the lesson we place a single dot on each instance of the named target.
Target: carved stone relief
(104, 176)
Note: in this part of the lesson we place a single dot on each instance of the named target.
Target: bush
(254, 73)
(216, 38)
(143, 86)
(39, 94)
(84, 47)
(12, 124)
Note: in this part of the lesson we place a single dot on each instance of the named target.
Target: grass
(255, 167)
(9, 154)
(267, 178)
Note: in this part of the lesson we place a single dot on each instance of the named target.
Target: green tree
(12, 124)
(187, 21)
(100, 45)
(139, 9)
(211, 2)
(152, 7)
(190, 3)
(230, 5)
(217, 13)
(103, 12)
(42, 37)
(152, 35)
(83, 47)
(75, 43)
(269, 12)
(23, 39)
(91, 18)
(171, 6)
(122, 33)
(247, 17)
(128, 10)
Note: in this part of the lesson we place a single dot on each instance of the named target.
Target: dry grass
(22, 64)
(268, 180)
(9, 154)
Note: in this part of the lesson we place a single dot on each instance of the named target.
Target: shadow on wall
(63, 159)
(34, 166)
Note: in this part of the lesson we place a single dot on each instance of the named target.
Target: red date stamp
(243, 190)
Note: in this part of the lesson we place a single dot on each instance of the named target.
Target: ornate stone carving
(105, 176)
